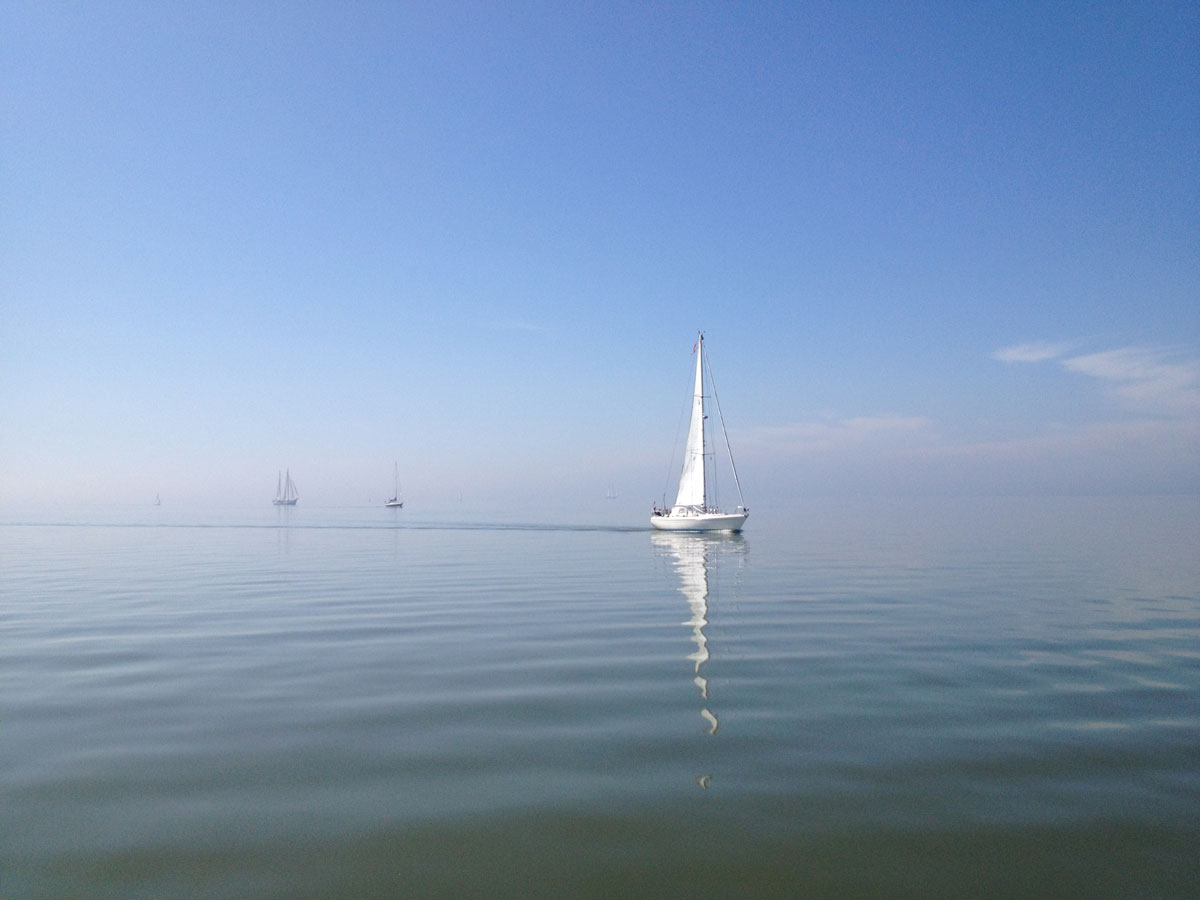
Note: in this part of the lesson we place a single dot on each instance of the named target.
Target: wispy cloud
(1137, 454)
(1034, 351)
(1152, 443)
(1151, 380)
(840, 434)
(909, 454)
(525, 326)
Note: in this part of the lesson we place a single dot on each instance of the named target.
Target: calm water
(887, 700)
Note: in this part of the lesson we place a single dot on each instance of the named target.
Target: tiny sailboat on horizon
(285, 490)
(395, 502)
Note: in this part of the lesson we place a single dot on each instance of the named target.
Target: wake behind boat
(692, 511)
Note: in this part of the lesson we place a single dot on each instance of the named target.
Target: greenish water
(886, 700)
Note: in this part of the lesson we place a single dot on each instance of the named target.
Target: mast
(692, 493)
(698, 409)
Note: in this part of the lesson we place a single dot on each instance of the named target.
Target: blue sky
(936, 247)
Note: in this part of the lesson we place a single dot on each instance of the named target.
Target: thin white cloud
(839, 434)
(1153, 381)
(525, 326)
(1150, 444)
(1031, 352)
(1149, 380)
(871, 425)
(1142, 454)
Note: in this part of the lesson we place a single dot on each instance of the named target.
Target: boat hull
(702, 522)
(394, 504)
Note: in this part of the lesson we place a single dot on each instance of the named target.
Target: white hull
(394, 504)
(700, 522)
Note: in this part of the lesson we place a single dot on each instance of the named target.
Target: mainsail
(691, 480)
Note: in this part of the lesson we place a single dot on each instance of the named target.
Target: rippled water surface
(892, 699)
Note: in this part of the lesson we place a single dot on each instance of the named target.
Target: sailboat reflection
(690, 553)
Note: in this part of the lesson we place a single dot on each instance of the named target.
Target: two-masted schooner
(692, 511)
(285, 490)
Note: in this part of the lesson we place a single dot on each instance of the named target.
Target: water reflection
(283, 522)
(691, 554)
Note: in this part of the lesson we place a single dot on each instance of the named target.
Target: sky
(936, 248)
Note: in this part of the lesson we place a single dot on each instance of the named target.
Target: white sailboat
(692, 511)
(396, 502)
(285, 490)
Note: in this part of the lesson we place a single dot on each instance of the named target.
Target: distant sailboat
(691, 511)
(285, 490)
(396, 502)
(157, 501)
(611, 493)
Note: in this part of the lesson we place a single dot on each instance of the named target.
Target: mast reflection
(690, 555)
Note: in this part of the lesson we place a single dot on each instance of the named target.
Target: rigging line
(728, 449)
